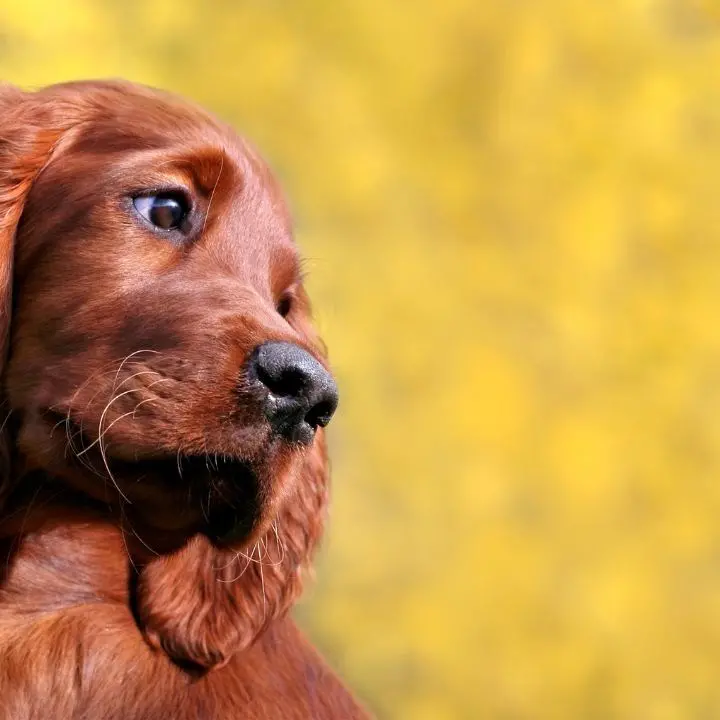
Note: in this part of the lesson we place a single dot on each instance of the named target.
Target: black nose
(302, 393)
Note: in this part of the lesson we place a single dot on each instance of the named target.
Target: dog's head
(161, 355)
(156, 338)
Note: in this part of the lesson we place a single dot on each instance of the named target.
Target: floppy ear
(30, 128)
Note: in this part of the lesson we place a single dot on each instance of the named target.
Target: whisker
(101, 443)
(212, 194)
(280, 543)
(205, 513)
(124, 539)
(132, 412)
(251, 559)
(262, 585)
(105, 369)
(240, 574)
(127, 357)
(5, 421)
(136, 534)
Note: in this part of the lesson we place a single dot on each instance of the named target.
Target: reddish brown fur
(115, 339)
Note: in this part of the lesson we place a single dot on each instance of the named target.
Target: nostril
(319, 414)
(289, 382)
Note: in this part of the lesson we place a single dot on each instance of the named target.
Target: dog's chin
(220, 496)
(226, 491)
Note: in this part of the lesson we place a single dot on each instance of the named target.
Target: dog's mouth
(226, 488)
(218, 495)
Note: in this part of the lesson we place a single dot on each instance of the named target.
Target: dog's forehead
(141, 123)
(132, 139)
(145, 129)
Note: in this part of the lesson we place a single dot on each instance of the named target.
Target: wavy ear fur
(202, 605)
(29, 132)
(32, 126)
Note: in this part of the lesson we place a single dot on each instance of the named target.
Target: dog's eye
(284, 306)
(166, 211)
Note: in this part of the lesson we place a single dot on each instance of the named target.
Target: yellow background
(511, 210)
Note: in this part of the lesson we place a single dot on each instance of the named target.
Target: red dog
(163, 477)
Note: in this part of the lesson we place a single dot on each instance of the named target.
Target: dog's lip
(224, 488)
(169, 463)
(227, 489)
(224, 492)
(197, 466)
(226, 527)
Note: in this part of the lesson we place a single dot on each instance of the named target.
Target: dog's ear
(30, 128)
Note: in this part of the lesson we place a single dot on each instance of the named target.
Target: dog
(163, 469)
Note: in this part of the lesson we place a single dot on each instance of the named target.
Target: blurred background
(511, 217)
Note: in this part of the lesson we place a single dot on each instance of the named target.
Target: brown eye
(285, 305)
(166, 211)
